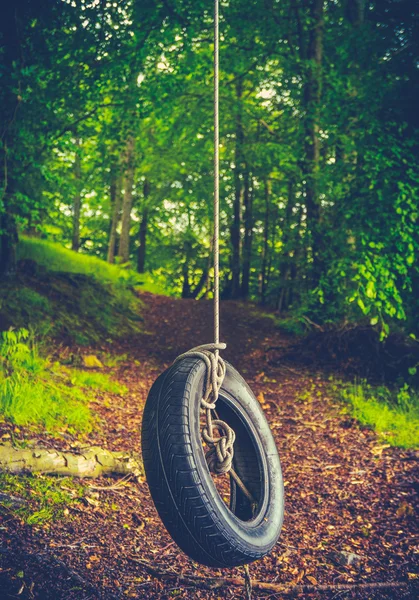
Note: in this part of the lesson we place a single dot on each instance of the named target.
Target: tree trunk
(311, 100)
(248, 234)
(265, 247)
(355, 11)
(91, 462)
(124, 245)
(186, 287)
(115, 196)
(143, 229)
(238, 191)
(75, 242)
(287, 251)
(202, 282)
(8, 243)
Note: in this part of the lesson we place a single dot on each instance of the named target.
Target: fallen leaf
(91, 361)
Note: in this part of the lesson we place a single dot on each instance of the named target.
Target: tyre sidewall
(259, 535)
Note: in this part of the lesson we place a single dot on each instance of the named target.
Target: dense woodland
(107, 146)
(106, 219)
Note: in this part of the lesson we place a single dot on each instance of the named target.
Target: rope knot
(219, 457)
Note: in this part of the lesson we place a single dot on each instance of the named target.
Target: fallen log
(214, 583)
(90, 462)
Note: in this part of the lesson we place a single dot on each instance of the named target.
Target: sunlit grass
(34, 391)
(55, 257)
(394, 415)
(95, 380)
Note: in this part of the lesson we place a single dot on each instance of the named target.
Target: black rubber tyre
(180, 483)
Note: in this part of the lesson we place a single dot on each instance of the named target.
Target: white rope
(216, 181)
(221, 448)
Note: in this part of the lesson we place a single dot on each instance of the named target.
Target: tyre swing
(181, 473)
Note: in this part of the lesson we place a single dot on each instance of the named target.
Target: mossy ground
(41, 498)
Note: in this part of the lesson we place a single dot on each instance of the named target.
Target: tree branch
(212, 583)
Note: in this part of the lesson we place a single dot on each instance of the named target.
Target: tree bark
(91, 462)
(265, 246)
(248, 234)
(75, 242)
(124, 245)
(115, 196)
(287, 260)
(143, 229)
(311, 100)
(8, 243)
(201, 283)
(238, 192)
(355, 11)
(186, 286)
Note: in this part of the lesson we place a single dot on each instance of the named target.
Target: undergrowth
(34, 390)
(392, 414)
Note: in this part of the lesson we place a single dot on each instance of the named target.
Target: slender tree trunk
(115, 195)
(123, 251)
(186, 287)
(273, 235)
(238, 192)
(355, 11)
(8, 243)
(75, 242)
(200, 285)
(143, 229)
(265, 246)
(311, 99)
(287, 251)
(248, 233)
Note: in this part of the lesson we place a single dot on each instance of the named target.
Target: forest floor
(346, 491)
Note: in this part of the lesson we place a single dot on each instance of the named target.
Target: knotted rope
(219, 457)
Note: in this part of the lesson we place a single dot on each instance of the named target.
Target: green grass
(45, 498)
(55, 257)
(35, 391)
(394, 415)
(73, 297)
(95, 380)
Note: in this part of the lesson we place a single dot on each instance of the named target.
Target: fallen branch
(91, 462)
(212, 583)
(12, 500)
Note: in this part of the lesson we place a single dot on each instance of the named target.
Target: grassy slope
(71, 297)
(55, 257)
(74, 297)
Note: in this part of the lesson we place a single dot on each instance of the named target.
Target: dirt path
(345, 490)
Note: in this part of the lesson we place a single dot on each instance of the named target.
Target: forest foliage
(107, 147)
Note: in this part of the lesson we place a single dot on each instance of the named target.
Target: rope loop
(219, 457)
